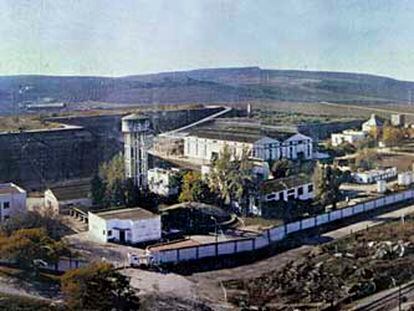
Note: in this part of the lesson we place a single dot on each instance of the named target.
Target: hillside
(205, 86)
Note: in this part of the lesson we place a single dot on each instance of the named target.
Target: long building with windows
(265, 144)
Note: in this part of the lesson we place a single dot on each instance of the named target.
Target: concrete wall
(274, 234)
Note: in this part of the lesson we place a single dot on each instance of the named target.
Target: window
(109, 232)
(103, 232)
(271, 197)
(300, 190)
(6, 204)
(310, 188)
(6, 217)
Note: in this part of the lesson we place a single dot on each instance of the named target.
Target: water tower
(138, 137)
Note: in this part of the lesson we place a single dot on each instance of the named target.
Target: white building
(206, 145)
(12, 201)
(163, 181)
(287, 189)
(373, 123)
(398, 120)
(372, 176)
(132, 225)
(138, 138)
(348, 136)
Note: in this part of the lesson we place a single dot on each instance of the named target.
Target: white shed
(131, 225)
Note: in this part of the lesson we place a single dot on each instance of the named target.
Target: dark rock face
(37, 158)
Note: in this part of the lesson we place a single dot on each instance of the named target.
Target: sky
(117, 38)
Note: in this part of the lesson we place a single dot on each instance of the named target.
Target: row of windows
(277, 196)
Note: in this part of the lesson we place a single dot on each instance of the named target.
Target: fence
(272, 235)
(66, 264)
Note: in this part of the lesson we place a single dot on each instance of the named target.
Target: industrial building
(205, 144)
(131, 225)
(138, 139)
(12, 201)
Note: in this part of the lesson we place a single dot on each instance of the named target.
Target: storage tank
(381, 186)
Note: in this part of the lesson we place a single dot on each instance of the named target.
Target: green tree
(392, 136)
(282, 168)
(98, 189)
(27, 246)
(132, 193)
(113, 171)
(231, 177)
(366, 159)
(116, 193)
(327, 181)
(194, 189)
(98, 287)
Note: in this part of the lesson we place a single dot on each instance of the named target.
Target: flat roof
(135, 213)
(10, 188)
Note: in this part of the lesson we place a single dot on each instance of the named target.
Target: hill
(230, 85)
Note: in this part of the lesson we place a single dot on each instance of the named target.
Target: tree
(98, 287)
(282, 168)
(392, 136)
(231, 177)
(113, 171)
(97, 191)
(131, 193)
(26, 246)
(50, 223)
(194, 189)
(116, 193)
(366, 159)
(327, 181)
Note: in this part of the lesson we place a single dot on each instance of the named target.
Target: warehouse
(207, 143)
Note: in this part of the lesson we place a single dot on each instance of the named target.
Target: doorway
(122, 236)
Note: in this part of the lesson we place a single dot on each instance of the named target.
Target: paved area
(95, 251)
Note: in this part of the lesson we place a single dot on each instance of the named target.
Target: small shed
(130, 225)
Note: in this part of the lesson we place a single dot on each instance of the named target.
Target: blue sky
(115, 38)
